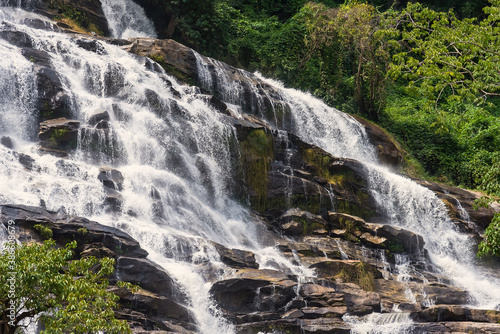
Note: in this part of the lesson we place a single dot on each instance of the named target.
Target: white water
(127, 19)
(178, 148)
(381, 323)
(174, 148)
(406, 204)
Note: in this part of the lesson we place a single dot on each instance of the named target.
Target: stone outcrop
(177, 59)
(90, 14)
(6, 141)
(111, 178)
(59, 136)
(159, 302)
(236, 258)
(68, 228)
(98, 119)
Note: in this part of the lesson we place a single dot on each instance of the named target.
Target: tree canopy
(69, 296)
(444, 57)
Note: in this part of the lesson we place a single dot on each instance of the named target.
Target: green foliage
(59, 133)
(319, 160)
(463, 8)
(44, 231)
(347, 37)
(157, 58)
(395, 247)
(83, 231)
(56, 136)
(71, 12)
(445, 58)
(491, 241)
(69, 296)
(450, 69)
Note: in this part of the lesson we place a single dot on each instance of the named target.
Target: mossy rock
(349, 271)
(256, 157)
(61, 134)
(353, 208)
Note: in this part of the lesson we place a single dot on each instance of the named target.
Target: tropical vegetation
(40, 281)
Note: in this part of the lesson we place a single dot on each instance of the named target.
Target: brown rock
(320, 312)
(388, 149)
(358, 301)
(111, 178)
(236, 258)
(152, 304)
(59, 134)
(169, 53)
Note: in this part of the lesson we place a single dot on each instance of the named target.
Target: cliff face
(342, 256)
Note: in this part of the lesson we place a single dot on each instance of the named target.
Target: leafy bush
(69, 296)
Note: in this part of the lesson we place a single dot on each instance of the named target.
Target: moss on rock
(256, 157)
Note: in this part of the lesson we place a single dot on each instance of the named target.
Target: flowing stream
(175, 154)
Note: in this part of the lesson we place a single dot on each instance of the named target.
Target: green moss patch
(360, 274)
(256, 157)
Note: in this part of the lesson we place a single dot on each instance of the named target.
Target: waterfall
(127, 19)
(172, 149)
(417, 209)
(176, 156)
(405, 203)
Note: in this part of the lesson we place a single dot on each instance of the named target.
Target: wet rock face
(98, 117)
(111, 178)
(236, 258)
(59, 134)
(6, 141)
(91, 12)
(158, 304)
(53, 102)
(281, 172)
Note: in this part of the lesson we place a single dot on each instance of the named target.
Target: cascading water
(172, 149)
(405, 203)
(127, 19)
